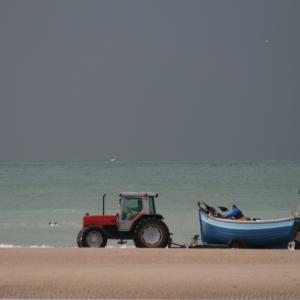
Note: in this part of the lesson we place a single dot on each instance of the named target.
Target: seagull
(53, 224)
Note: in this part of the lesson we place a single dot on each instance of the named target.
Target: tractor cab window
(131, 207)
(152, 205)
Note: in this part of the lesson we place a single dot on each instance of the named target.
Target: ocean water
(32, 194)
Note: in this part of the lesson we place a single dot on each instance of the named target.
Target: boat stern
(297, 234)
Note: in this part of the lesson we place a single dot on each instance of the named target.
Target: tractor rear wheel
(151, 233)
(94, 237)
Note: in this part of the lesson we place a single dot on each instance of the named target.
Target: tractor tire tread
(165, 240)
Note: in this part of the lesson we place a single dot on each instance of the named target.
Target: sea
(42, 203)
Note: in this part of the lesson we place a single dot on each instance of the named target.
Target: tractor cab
(134, 206)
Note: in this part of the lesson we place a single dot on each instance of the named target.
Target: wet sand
(149, 273)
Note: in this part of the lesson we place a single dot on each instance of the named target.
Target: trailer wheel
(79, 238)
(151, 233)
(237, 244)
(94, 237)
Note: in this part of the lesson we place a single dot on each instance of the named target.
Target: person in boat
(236, 213)
(133, 212)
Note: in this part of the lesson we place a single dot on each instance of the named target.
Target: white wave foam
(40, 246)
(18, 246)
(9, 246)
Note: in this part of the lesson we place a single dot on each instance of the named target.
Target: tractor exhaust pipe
(103, 204)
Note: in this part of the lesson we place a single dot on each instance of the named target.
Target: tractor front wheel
(94, 237)
(151, 233)
(79, 238)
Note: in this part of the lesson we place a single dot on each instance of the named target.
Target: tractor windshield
(152, 205)
(131, 207)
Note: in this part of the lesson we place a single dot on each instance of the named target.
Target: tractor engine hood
(100, 220)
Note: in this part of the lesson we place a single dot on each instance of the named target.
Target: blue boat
(277, 233)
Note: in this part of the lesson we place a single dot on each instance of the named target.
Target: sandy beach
(149, 273)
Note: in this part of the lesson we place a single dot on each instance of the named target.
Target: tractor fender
(92, 225)
(102, 227)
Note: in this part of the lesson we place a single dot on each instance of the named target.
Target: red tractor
(137, 220)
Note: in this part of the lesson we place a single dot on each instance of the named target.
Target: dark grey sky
(149, 80)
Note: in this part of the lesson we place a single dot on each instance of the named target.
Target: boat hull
(253, 234)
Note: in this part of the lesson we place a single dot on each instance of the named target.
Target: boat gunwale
(249, 222)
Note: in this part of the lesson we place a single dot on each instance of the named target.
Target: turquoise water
(34, 194)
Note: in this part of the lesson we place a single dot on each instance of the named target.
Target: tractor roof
(138, 194)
